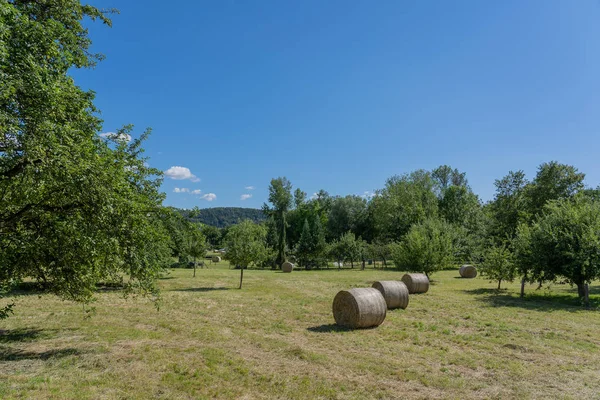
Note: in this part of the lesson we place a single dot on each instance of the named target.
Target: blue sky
(341, 95)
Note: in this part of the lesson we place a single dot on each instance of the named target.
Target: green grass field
(275, 338)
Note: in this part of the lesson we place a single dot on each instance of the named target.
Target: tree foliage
(427, 247)
(499, 264)
(246, 245)
(564, 242)
(280, 197)
(75, 208)
(405, 200)
(222, 217)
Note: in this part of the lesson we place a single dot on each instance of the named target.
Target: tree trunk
(499, 282)
(339, 264)
(587, 296)
(384, 263)
(352, 263)
(581, 290)
(241, 276)
(363, 264)
(523, 287)
(194, 267)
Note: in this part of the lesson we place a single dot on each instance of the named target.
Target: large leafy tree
(507, 209)
(564, 242)
(405, 200)
(349, 213)
(75, 208)
(553, 181)
(444, 177)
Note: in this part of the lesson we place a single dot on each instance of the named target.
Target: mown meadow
(276, 338)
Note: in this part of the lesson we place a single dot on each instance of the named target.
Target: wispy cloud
(181, 190)
(181, 173)
(209, 197)
(314, 196)
(196, 191)
(368, 194)
(250, 187)
(245, 196)
(116, 136)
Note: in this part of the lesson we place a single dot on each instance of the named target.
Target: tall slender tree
(280, 197)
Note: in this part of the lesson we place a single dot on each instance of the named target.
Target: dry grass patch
(276, 339)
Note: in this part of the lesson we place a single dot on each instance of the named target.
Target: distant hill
(222, 217)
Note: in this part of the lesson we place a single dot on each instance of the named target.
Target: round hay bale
(287, 266)
(359, 308)
(416, 283)
(467, 271)
(395, 293)
(216, 259)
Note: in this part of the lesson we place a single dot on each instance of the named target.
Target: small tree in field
(196, 244)
(498, 265)
(246, 245)
(427, 247)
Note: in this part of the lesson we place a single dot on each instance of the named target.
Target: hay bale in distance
(359, 308)
(467, 271)
(395, 293)
(287, 266)
(416, 283)
(216, 259)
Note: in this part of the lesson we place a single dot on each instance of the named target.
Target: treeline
(539, 230)
(222, 217)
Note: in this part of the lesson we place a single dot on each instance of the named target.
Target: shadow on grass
(202, 289)
(8, 354)
(26, 289)
(534, 301)
(328, 328)
(23, 335)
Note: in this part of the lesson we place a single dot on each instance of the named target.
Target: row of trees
(539, 230)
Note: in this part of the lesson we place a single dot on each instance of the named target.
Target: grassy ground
(275, 338)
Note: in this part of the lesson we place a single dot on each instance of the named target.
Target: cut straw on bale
(467, 271)
(395, 293)
(416, 283)
(359, 308)
(216, 259)
(287, 266)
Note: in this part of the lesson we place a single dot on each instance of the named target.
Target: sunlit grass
(276, 339)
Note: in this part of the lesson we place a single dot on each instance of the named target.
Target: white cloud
(181, 190)
(209, 197)
(250, 187)
(314, 196)
(196, 191)
(368, 194)
(181, 173)
(117, 136)
(245, 196)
